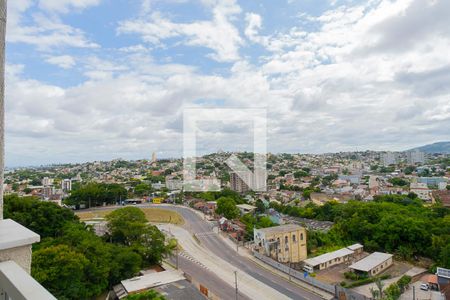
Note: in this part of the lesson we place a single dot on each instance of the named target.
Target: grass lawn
(155, 215)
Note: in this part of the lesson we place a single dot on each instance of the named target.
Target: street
(214, 261)
(210, 240)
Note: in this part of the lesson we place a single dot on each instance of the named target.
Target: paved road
(203, 229)
(206, 277)
(204, 232)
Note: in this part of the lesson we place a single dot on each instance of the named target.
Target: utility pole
(176, 253)
(2, 97)
(235, 284)
(289, 271)
(414, 292)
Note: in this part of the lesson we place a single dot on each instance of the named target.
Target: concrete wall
(20, 255)
(381, 267)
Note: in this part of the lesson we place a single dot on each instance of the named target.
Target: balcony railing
(15, 264)
(16, 284)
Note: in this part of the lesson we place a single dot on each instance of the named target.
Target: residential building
(388, 158)
(443, 197)
(174, 184)
(337, 257)
(421, 190)
(257, 181)
(433, 181)
(46, 181)
(171, 283)
(443, 281)
(415, 157)
(47, 191)
(373, 264)
(353, 179)
(237, 184)
(284, 243)
(246, 208)
(66, 185)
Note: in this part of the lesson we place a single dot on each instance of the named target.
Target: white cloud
(254, 24)
(347, 84)
(47, 33)
(218, 34)
(64, 6)
(62, 61)
(43, 31)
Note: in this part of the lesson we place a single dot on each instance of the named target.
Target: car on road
(424, 287)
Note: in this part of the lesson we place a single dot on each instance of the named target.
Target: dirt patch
(154, 215)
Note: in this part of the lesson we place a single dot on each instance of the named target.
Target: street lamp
(236, 284)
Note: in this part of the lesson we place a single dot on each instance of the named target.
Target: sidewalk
(242, 251)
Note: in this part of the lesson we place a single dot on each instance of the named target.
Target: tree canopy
(392, 223)
(74, 263)
(226, 206)
(95, 194)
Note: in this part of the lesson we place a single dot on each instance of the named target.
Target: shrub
(367, 280)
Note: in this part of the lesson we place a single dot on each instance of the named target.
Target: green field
(154, 215)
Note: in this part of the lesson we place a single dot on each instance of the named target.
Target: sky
(102, 79)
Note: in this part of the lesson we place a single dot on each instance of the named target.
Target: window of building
(301, 236)
(286, 239)
(293, 238)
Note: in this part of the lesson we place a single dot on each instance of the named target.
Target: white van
(308, 269)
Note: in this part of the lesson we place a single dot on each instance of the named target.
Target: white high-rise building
(46, 181)
(257, 180)
(154, 158)
(389, 158)
(66, 185)
(415, 157)
(237, 184)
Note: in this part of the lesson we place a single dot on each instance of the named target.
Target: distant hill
(440, 147)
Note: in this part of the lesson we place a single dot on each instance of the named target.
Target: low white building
(373, 264)
(246, 208)
(421, 190)
(337, 257)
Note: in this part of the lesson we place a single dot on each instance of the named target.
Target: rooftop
(355, 247)
(13, 235)
(148, 281)
(180, 290)
(246, 206)
(280, 229)
(315, 261)
(368, 263)
(441, 272)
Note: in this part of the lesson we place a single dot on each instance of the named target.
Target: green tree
(45, 218)
(227, 207)
(142, 189)
(126, 225)
(398, 181)
(260, 207)
(62, 271)
(95, 194)
(409, 170)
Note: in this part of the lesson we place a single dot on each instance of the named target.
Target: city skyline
(94, 80)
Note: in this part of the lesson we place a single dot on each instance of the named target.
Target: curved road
(204, 232)
(213, 242)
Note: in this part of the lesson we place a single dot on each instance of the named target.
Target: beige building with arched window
(285, 243)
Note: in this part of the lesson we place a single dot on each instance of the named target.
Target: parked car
(424, 287)
(308, 269)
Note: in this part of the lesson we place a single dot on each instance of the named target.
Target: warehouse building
(373, 264)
